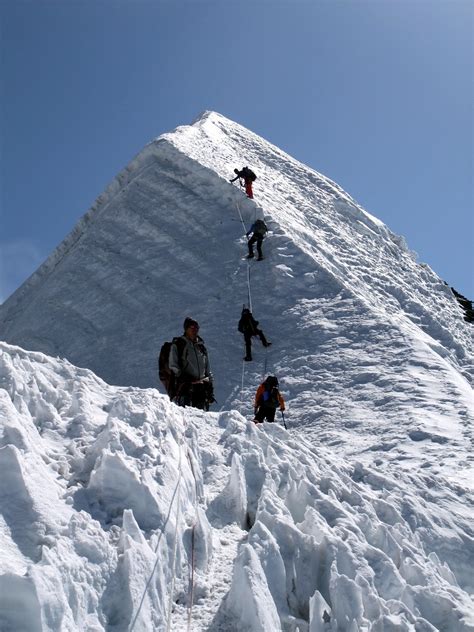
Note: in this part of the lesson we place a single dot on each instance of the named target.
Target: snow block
(19, 607)
(346, 600)
(319, 613)
(230, 506)
(115, 485)
(249, 598)
(17, 428)
(28, 501)
(51, 587)
(266, 547)
(202, 541)
(136, 595)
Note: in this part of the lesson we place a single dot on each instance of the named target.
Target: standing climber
(189, 362)
(248, 176)
(248, 327)
(267, 399)
(259, 230)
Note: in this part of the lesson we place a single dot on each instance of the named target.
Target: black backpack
(248, 174)
(270, 394)
(247, 322)
(260, 227)
(166, 375)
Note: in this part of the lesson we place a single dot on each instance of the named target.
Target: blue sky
(375, 94)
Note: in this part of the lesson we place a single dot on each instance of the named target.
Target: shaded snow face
(120, 511)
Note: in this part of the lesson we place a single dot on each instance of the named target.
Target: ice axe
(283, 417)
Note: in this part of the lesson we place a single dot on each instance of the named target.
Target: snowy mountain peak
(120, 511)
(208, 114)
(355, 319)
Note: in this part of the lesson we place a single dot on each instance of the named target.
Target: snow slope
(357, 322)
(121, 511)
(363, 510)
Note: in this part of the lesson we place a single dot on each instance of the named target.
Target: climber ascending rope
(248, 176)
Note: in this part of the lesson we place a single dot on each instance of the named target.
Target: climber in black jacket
(248, 327)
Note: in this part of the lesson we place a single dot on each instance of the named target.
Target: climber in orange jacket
(267, 399)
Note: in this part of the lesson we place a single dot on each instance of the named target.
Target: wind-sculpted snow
(120, 511)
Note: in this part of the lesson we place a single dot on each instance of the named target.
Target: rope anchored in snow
(173, 567)
(242, 383)
(176, 491)
(249, 298)
(249, 294)
(241, 218)
(193, 548)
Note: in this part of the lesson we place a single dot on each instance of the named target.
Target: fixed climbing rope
(193, 546)
(175, 492)
(175, 545)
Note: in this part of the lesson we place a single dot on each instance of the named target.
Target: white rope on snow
(176, 490)
(193, 535)
(249, 293)
(173, 567)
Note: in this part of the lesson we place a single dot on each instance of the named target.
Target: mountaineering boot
(248, 358)
(250, 255)
(267, 344)
(260, 258)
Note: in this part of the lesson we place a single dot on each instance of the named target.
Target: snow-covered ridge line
(329, 226)
(306, 173)
(124, 493)
(141, 161)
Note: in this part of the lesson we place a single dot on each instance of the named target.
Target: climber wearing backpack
(189, 364)
(267, 399)
(259, 230)
(248, 176)
(248, 327)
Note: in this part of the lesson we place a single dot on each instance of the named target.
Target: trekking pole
(283, 417)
